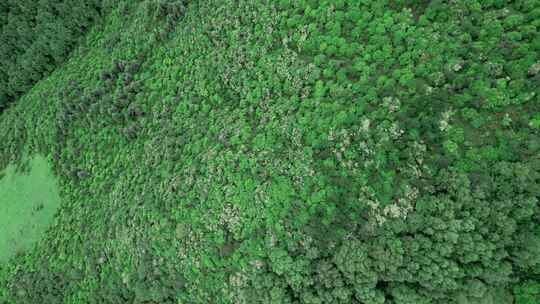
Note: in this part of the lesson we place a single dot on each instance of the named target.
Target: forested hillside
(36, 37)
(253, 151)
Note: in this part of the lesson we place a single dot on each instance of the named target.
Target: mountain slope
(288, 152)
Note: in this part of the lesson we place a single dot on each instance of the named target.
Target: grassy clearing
(28, 201)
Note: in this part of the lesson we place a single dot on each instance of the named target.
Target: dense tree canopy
(254, 151)
(36, 37)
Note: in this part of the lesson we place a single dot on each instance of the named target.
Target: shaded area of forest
(36, 37)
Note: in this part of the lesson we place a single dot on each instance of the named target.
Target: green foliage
(36, 37)
(527, 293)
(288, 152)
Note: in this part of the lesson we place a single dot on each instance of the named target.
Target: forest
(287, 151)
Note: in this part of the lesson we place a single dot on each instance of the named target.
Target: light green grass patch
(28, 202)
